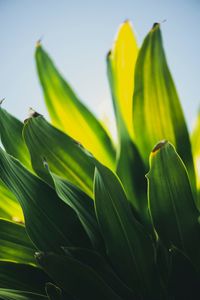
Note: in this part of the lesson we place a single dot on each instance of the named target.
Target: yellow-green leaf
(69, 114)
(195, 138)
(157, 113)
(122, 58)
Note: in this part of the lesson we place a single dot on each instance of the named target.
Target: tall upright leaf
(65, 157)
(157, 113)
(172, 206)
(129, 248)
(50, 223)
(195, 138)
(121, 65)
(69, 114)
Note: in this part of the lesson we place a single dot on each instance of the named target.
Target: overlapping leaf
(15, 244)
(65, 157)
(83, 205)
(10, 294)
(129, 248)
(67, 272)
(157, 113)
(172, 205)
(69, 114)
(49, 222)
(22, 277)
(121, 64)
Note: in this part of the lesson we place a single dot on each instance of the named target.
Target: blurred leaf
(129, 248)
(83, 205)
(122, 59)
(65, 157)
(11, 137)
(184, 280)
(130, 168)
(9, 206)
(69, 114)
(157, 113)
(195, 138)
(50, 223)
(94, 260)
(53, 292)
(76, 278)
(8, 294)
(15, 244)
(172, 206)
(22, 277)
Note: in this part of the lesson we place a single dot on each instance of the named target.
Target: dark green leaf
(129, 248)
(103, 269)
(53, 292)
(22, 277)
(50, 223)
(8, 294)
(172, 206)
(83, 205)
(76, 278)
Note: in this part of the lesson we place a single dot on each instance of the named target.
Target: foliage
(105, 221)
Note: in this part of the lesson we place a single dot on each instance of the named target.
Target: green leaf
(15, 244)
(101, 266)
(22, 277)
(50, 223)
(11, 137)
(157, 113)
(65, 157)
(9, 206)
(184, 280)
(67, 272)
(69, 114)
(172, 206)
(129, 248)
(53, 292)
(195, 139)
(10, 294)
(83, 205)
(130, 168)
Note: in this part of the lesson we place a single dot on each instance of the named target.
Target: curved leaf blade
(64, 156)
(15, 244)
(157, 113)
(172, 206)
(67, 272)
(11, 138)
(10, 294)
(83, 205)
(130, 168)
(69, 114)
(22, 277)
(129, 248)
(50, 223)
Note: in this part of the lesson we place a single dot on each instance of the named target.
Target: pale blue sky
(78, 34)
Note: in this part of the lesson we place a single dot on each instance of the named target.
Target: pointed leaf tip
(159, 145)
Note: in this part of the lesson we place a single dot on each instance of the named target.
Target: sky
(78, 35)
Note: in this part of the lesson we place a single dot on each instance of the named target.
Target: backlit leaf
(69, 114)
(157, 113)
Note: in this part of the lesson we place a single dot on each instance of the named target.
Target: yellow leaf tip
(158, 146)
